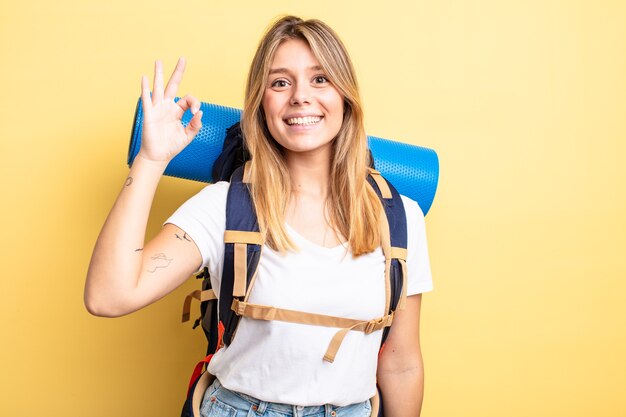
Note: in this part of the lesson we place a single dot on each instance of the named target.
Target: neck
(309, 173)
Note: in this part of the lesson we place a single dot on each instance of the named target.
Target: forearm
(402, 389)
(117, 257)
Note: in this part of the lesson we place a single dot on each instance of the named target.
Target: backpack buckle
(371, 325)
(238, 307)
(378, 324)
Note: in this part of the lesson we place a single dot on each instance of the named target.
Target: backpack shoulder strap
(242, 251)
(393, 242)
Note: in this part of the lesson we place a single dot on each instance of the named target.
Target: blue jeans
(218, 401)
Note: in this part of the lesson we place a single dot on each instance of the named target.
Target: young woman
(303, 125)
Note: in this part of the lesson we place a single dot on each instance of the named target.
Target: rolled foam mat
(413, 170)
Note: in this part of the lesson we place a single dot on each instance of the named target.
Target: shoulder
(208, 203)
(210, 198)
(216, 191)
(203, 217)
(410, 205)
(414, 213)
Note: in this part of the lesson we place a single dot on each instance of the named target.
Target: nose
(301, 94)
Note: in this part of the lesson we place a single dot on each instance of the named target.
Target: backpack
(242, 253)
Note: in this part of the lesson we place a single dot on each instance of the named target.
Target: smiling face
(303, 109)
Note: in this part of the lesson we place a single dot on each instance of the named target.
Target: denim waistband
(243, 402)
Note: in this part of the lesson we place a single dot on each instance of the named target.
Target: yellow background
(524, 102)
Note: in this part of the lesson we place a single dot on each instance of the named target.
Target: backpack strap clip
(377, 324)
(366, 327)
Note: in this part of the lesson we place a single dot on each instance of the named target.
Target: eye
(279, 83)
(320, 79)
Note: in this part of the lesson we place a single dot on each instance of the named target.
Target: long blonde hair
(353, 206)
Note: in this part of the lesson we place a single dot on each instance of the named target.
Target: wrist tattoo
(129, 181)
(160, 260)
(184, 237)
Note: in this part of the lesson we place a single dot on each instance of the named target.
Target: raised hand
(163, 135)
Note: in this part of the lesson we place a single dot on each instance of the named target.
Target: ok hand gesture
(163, 135)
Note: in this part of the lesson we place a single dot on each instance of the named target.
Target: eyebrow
(286, 71)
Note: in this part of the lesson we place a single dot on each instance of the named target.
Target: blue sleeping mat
(413, 170)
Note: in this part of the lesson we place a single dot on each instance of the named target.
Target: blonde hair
(353, 206)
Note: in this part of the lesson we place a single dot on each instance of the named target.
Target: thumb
(194, 126)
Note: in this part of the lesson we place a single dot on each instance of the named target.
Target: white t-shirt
(282, 362)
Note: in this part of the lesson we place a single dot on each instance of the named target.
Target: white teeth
(308, 120)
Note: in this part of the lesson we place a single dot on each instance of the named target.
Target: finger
(194, 126)
(189, 102)
(146, 101)
(175, 79)
(157, 93)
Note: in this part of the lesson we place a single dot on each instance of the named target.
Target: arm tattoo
(129, 181)
(160, 261)
(138, 250)
(184, 237)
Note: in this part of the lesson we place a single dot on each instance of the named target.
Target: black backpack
(242, 253)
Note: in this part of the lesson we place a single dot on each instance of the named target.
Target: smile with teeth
(302, 121)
